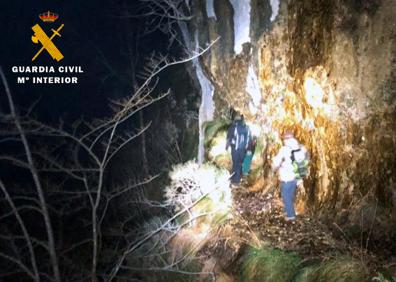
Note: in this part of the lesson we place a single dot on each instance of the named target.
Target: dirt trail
(258, 218)
(263, 214)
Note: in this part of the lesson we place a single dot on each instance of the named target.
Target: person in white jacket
(282, 163)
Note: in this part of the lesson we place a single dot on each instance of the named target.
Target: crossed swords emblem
(46, 42)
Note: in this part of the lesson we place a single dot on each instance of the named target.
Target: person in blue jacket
(238, 140)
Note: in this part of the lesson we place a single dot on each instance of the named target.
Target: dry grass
(269, 265)
(342, 269)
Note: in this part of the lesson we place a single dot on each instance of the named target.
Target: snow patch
(210, 12)
(241, 23)
(275, 9)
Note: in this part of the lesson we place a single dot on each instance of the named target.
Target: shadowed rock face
(326, 69)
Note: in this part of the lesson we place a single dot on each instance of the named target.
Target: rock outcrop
(325, 69)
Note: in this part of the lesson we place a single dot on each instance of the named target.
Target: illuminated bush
(191, 182)
(212, 128)
(215, 142)
(217, 152)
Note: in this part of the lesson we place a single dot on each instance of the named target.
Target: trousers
(247, 162)
(288, 191)
(237, 160)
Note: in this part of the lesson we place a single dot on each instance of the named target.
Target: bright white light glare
(253, 86)
(219, 147)
(210, 11)
(275, 9)
(241, 23)
(253, 109)
(207, 105)
(255, 129)
(313, 93)
(218, 186)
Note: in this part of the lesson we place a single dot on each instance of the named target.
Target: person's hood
(292, 143)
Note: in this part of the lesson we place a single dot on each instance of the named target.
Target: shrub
(381, 278)
(213, 127)
(191, 182)
(269, 265)
(155, 260)
(217, 153)
(342, 269)
(186, 273)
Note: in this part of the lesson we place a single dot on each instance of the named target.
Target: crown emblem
(48, 17)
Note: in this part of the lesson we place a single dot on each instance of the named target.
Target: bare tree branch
(26, 235)
(36, 179)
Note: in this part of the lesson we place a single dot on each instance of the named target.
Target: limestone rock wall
(326, 69)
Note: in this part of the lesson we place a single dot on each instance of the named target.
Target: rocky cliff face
(325, 69)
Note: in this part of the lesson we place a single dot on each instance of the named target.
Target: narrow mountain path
(263, 214)
(258, 219)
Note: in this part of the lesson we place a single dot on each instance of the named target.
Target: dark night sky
(92, 30)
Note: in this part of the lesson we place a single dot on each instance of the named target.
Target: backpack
(300, 163)
(241, 136)
(252, 144)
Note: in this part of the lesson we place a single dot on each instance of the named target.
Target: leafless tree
(68, 167)
(163, 15)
